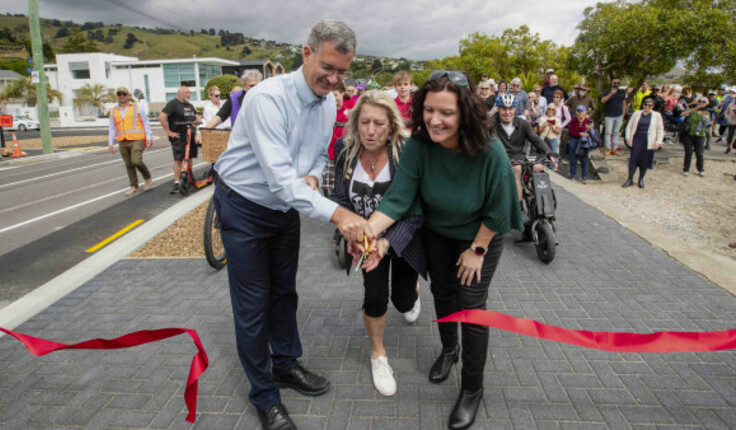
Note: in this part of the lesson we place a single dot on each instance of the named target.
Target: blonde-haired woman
(365, 165)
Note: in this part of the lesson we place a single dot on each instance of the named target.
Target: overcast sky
(415, 29)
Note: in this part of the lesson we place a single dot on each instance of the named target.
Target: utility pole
(42, 99)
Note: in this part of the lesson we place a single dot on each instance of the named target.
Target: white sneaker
(383, 376)
(413, 314)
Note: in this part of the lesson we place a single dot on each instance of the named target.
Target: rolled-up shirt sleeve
(265, 127)
(143, 114)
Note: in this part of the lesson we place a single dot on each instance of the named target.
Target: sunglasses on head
(453, 76)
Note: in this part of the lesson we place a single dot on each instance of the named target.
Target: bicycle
(541, 203)
(214, 250)
(214, 142)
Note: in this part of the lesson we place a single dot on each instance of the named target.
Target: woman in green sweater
(458, 171)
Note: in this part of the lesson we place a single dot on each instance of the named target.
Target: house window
(80, 69)
(170, 96)
(176, 75)
(207, 72)
(148, 89)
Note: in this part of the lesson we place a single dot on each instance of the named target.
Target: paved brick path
(604, 278)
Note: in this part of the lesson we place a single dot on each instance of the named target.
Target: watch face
(479, 250)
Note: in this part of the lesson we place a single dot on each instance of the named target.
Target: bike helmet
(507, 100)
(373, 86)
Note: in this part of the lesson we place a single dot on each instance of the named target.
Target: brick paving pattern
(604, 278)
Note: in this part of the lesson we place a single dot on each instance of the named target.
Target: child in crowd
(338, 131)
(549, 130)
(579, 130)
(402, 85)
(350, 97)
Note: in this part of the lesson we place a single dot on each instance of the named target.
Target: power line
(145, 15)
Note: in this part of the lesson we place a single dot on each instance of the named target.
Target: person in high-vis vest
(130, 128)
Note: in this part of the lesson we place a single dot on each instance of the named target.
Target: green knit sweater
(456, 191)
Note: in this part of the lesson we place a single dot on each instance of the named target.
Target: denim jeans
(612, 126)
(573, 148)
(693, 144)
(554, 146)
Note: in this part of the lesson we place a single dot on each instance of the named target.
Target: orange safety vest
(130, 127)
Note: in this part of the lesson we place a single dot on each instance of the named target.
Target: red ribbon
(39, 347)
(663, 341)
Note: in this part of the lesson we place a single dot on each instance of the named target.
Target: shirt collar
(305, 94)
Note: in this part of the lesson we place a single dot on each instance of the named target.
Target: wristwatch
(479, 250)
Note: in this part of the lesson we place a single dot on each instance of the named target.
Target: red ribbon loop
(39, 347)
(663, 341)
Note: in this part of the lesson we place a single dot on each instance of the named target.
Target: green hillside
(153, 43)
(165, 43)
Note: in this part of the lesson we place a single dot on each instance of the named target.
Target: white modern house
(155, 81)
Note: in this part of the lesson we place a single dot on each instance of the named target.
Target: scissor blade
(360, 262)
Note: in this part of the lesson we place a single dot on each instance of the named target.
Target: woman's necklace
(372, 162)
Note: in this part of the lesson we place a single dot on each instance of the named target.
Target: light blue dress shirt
(281, 134)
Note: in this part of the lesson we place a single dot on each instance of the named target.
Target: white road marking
(76, 169)
(68, 208)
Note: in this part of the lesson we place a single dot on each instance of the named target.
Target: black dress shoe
(641, 183)
(441, 367)
(463, 414)
(276, 418)
(303, 381)
(627, 184)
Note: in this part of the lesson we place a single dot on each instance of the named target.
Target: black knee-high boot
(630, 181)
(642, 173)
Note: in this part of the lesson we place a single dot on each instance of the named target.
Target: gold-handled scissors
(366, 252)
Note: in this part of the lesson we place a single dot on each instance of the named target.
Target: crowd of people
(418, 181)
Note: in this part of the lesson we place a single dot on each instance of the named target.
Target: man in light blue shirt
(269, 174)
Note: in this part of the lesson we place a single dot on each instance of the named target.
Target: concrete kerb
(58, 155)
(41, 298)
(716, 268)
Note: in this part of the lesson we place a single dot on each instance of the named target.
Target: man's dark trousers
(262, 247)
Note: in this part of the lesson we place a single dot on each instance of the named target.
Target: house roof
(9, 74)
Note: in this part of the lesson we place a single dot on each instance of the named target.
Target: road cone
(17, 153)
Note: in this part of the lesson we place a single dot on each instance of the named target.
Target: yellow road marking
(115, 236)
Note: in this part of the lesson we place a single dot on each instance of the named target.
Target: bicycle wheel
(213, 247)
(545, 242)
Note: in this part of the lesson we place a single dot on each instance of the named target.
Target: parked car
(23, 123)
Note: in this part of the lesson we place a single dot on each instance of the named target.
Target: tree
(224, 82)
(212, 31)
(96, 95)
(48, 51)
(56, 23)
(77, 42)
(246, 51)
(649, 38)
(22, 89)
(63, 32)
(376, 66)
(130, 40)
(6, 34)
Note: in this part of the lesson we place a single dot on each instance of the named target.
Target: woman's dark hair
(475, 124)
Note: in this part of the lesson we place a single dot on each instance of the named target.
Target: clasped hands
(372, 251)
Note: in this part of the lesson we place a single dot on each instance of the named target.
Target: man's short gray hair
(336, 32)
(252, 75)
(516, 81)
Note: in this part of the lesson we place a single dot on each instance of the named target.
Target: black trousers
(403, 287)
(695, 143)
(262, 247)
(450, 296)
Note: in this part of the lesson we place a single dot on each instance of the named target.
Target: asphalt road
(53, 210)
(57, 132)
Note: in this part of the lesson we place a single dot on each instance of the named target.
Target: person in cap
(547, 74)
(266, 178)
(580, 97)
(579, 130)
(129, 126)
(644, 135)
